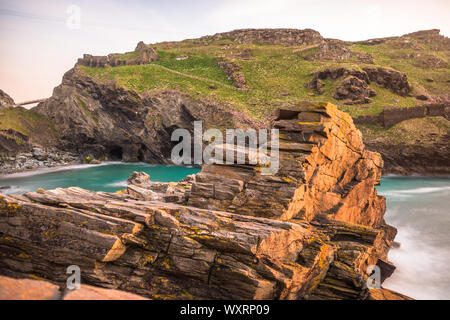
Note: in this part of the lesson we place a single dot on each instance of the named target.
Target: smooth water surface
(108, 177)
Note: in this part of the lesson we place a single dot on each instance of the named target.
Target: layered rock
(308, 232)
(354, 91)
(324, 169)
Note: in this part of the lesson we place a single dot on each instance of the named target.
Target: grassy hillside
(278, 74)
(20, 126)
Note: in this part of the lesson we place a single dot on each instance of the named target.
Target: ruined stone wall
(391, 116)
(146, 55)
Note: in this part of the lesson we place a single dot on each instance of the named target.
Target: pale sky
(37, 46)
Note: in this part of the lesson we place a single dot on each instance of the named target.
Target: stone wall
(393, 115)
(146, 55)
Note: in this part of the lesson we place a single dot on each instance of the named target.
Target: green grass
(275, 75)
(20, 119)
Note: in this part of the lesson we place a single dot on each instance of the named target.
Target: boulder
(354, 91)
(138, 178)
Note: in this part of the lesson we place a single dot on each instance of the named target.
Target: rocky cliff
(308, 232)
(105, 120)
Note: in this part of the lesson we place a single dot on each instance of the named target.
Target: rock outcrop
(338, 51)
(106, 121)
(308, 232)
(5, 100)
(391, 79)
(142, 55)
(354, 91)
(287, 37)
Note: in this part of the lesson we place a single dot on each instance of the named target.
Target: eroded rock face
(324, 169)
(289, 37)
(233, 73)
(308, 232)
(391, 79)
(354, 91)
(105, 121)
(337, 50)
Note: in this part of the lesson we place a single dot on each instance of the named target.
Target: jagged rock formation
(106, 121)
(338, 51)
(355, 86)
(354, 91)
(391, 79)
(5, 100)
(308, 232)
(143, 53)
(287, 37)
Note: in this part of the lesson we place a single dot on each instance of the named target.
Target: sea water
(108, 177)
(418, 207)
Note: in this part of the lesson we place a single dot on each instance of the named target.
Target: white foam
(422, 269)
(415, 191)
(55, 169)
(118, 184)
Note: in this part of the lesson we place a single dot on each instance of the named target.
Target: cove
(108, 177)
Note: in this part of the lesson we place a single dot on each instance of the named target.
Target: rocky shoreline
(311, 231)
(37, 158)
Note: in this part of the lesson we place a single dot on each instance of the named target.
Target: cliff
(106, 121)
(308, 232)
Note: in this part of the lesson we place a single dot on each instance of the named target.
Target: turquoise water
(420, 209)
(109, 177)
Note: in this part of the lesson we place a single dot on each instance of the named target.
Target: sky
(41, 40)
